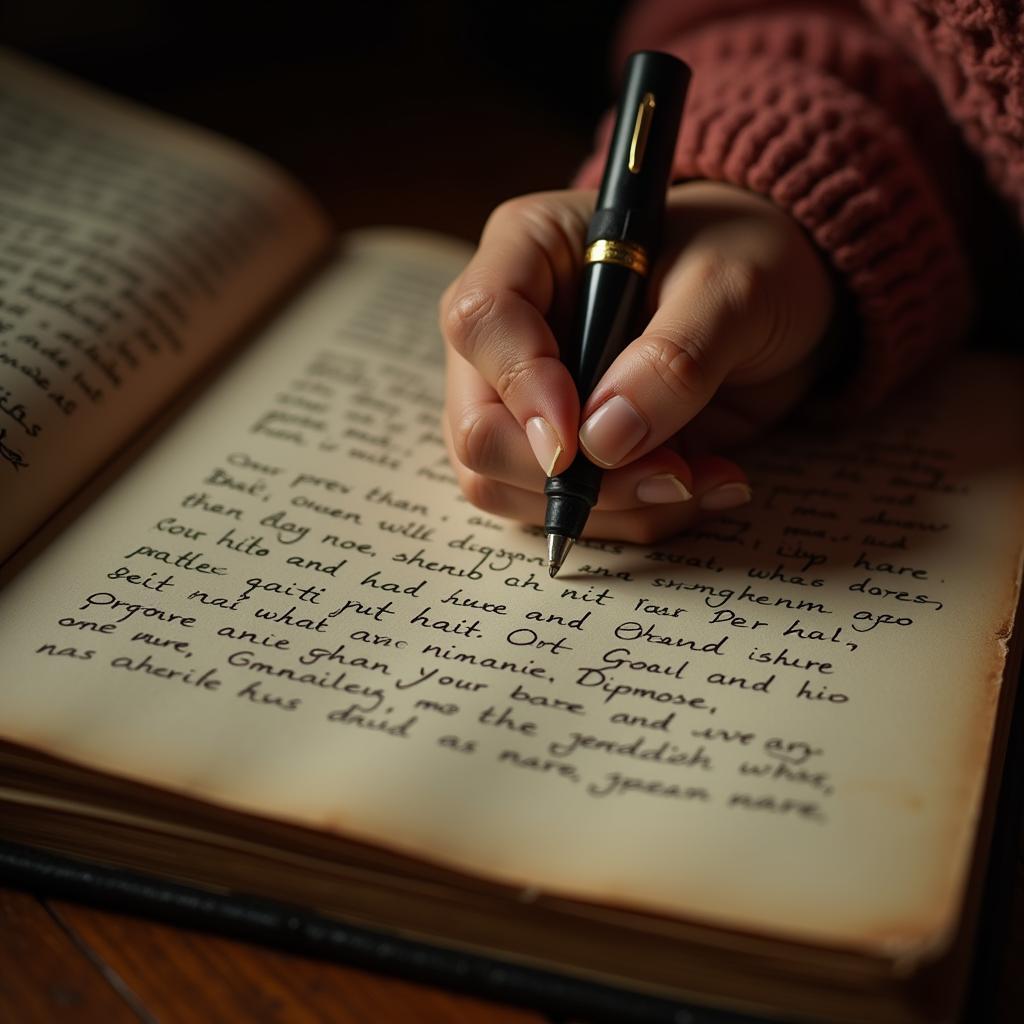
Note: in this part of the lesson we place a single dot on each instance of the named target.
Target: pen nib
(559, 547)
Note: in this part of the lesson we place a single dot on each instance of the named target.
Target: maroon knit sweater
(854, 118)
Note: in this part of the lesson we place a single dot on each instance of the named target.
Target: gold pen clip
(641, 129)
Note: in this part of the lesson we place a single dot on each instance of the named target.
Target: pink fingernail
(612, 432)
(662, 489)
(544, 442)
(725, 496)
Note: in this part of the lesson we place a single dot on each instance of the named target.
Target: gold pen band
(625, 254)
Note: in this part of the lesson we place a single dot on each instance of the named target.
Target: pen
(621, 242)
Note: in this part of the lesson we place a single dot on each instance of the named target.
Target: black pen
(621, 242)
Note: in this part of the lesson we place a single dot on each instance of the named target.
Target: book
(255, 642)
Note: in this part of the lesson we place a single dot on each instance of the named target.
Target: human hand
(739, 301)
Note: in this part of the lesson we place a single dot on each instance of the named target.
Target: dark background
(424, 114)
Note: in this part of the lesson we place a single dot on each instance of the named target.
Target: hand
(739, 301)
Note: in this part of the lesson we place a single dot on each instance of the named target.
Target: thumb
(714, 316)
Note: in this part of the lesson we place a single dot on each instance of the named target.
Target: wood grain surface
(61, 961)
(65, 962)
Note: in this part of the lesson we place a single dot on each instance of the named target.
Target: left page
(131, 248)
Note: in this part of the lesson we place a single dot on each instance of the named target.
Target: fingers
(486, 439)
(705, 324)
(744, 299)
(650, 499)
(494, 318)
(643, 524)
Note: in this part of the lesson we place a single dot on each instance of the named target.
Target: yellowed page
(779, 723)
(130, 248)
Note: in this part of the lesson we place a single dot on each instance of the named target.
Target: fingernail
(662, 490)
(544, 442)
(613, 431)
(725, 496)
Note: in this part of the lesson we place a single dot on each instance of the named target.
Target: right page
(780, 722)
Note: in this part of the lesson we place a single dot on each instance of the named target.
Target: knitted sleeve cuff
(850, 176)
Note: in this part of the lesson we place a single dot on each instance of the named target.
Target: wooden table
(65, 962)
(61, 961)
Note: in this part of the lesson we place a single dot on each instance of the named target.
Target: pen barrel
(631, 201)
(621, 241)
(606, 321)
(609, 306)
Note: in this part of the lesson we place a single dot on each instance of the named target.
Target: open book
(270, 649)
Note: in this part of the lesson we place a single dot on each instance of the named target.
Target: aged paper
(130, 249)
(779, 722)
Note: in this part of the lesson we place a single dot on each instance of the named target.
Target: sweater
(858, 120)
